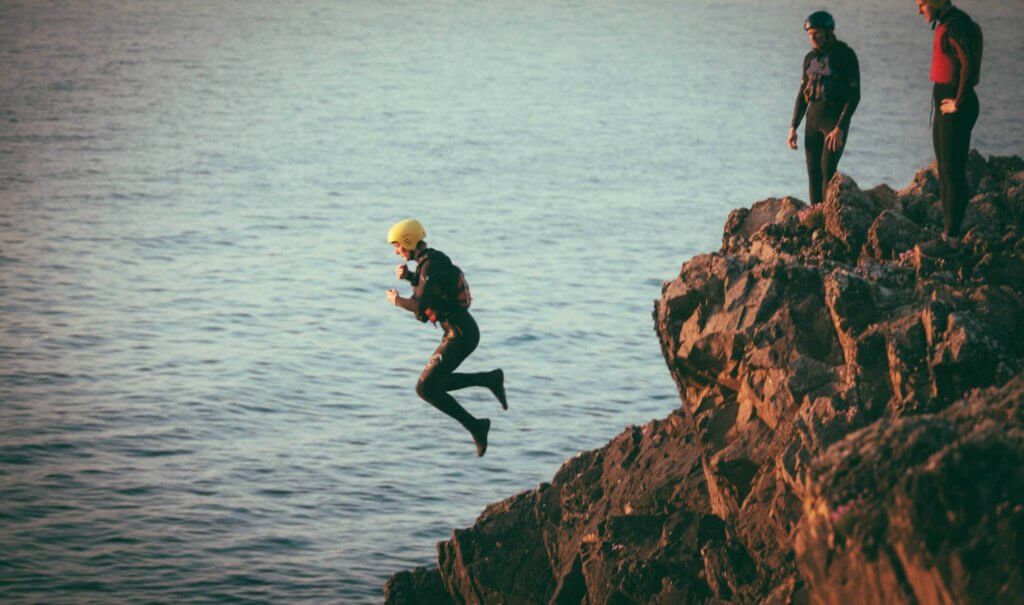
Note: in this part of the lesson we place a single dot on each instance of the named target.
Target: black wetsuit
(951, 133)
(461, 337)
(829, 94)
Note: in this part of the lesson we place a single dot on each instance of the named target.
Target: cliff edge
(851, 427)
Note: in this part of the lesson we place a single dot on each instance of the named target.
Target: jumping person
(956, 68)
(440, 294)
(829, 93)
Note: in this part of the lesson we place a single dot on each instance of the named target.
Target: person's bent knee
(424, 390)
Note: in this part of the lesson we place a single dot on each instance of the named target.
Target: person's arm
(800, 106)
(958, 40)
(403, 272)
(409, 304)
(852, 90)
(424, 295)
(834, 141)
(965, 69)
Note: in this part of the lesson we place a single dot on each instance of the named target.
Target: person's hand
(393, 296)
(834, 140)
(791, 139)
(401, 271)
(948, 106)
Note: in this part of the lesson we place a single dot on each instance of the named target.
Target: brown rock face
(924, 509)
(824, 450)
(417, 586)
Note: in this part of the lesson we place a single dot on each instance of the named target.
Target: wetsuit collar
(829, 45)
(943, 15)
(419, 254)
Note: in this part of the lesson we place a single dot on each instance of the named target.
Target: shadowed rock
(849, 211)
(892, 234)
(420, 585)
(925, 509)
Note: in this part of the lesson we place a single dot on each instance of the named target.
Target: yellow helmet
(409, 233)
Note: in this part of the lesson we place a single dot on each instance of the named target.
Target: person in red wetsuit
(955, 71)
(440, 294)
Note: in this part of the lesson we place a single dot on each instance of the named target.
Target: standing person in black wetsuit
(956, 69)
(829, 93)
(440, 294)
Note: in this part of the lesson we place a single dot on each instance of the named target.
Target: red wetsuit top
(956, 51)
(942, 64)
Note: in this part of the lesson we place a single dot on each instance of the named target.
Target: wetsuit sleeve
(960, 43)
(426, 291)
(852, 90)
(419, 294)
(800, 107)
(965, 70)
(409, 304)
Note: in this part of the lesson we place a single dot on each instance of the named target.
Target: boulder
(891, 235)
(925, 509)
(849, 212)
(420, 585)
(743, 223)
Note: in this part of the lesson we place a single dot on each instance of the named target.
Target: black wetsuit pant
(821, 163)
(951, 135)
(438, 378)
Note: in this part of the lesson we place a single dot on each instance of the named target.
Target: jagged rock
(420, 585)
(743, 223)
(924, 184)
(1007, 169)
(892, 234)
(821, 453)
(501, 559)
(1014, 203)
(985, 217)
(849, 212)
(927, 509)
(909, 373)
(883, 196)
(851, 303)
(919, 199)
(979, 176)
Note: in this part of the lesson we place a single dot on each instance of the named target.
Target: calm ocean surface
(204, 395)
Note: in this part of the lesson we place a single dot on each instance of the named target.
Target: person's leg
(830, 163)
(814, 144)
(941, 247)
(431, 388)
(961, 125)
(469, 337)
(937, 144)
(463, 380)
(493, 380)
(430, 384)
(942, 139)
(463, 337)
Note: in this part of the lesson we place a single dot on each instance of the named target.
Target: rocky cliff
(851, 428)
